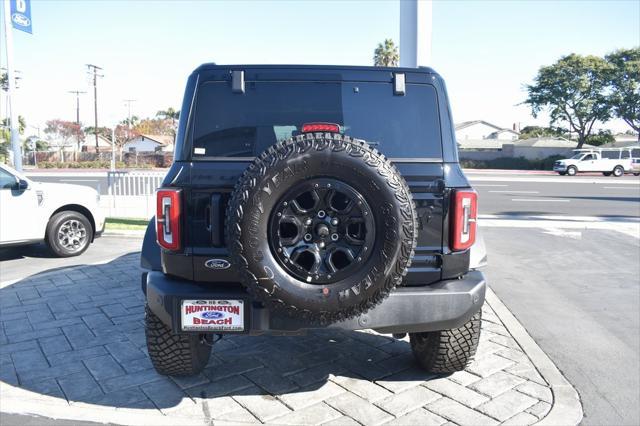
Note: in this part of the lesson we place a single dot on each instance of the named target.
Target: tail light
(320, 127)
(168, 229)
(464, 214)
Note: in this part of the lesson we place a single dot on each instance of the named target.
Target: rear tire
(572, 171)
(69, 233)
(636, 174)
(447, 351)
(174, 354)
(618, 171)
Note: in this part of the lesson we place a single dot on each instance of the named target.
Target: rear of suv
(305, 197)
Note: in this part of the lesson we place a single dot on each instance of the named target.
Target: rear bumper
(440, 306)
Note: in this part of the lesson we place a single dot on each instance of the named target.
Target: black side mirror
(21, 184)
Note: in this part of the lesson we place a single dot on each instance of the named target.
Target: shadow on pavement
(77, 333)
(18, 252)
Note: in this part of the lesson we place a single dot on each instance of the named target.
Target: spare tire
(321, 227)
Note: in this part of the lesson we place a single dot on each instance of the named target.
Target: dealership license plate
(212, 315)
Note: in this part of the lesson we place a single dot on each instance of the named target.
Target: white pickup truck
(608, 161)
(66, 217)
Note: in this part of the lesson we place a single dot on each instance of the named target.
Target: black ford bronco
(307, 197)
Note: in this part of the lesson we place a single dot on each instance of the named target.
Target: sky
(487, 51)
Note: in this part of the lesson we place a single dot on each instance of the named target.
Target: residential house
(89, 144)
(480, 129)
(149, 143)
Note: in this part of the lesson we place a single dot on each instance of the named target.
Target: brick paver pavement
(77, 334)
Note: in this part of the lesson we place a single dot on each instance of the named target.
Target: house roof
(164, 140)
(480, 143)
(505, 131)
(466, 124)
(549, 143)
(90, 140)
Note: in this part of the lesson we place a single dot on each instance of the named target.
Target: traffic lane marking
(628, 228)
(619, 187)
(552, 180)
(477, 186)
(541, 200)
(515, 192)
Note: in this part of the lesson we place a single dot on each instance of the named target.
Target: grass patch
(121, 223)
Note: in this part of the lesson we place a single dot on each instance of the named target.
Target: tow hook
(210, 339)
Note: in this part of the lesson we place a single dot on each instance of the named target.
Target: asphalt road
(21, 262)
(578, 296)
(530, 194)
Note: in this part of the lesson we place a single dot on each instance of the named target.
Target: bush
(509, 163)
(80, 165)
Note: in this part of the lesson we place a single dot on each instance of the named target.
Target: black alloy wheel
(321, 230)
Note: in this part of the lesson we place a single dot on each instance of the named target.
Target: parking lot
(73, 343)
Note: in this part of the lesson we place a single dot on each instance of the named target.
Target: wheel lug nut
(321, 244)
(334, 237)
(334, 221)
(307, 237)
(307, 222)
(321, 214)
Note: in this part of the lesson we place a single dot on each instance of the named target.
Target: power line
(93, 69)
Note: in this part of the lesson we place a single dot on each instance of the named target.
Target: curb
(123, 233)
(566, 408)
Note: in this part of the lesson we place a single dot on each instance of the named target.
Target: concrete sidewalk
(72, 346)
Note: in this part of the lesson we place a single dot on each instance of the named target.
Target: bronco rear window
(229, 124)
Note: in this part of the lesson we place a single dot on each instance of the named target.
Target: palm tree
(170, 114)
(386, 54)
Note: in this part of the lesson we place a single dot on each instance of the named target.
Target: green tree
(600, 138)
(573, 91)
(171, 115)
(529, 132)
(386, 54)
(624, 82)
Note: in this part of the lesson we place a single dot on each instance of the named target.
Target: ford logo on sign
(21, 20)
(217, 264)
(212, 315)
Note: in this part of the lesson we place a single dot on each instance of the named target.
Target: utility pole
(77, 93)
(11, 94)
(129, 102)
(93, 69)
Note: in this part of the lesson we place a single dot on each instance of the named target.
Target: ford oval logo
(217, 264)
(212, 315)
(21, 20)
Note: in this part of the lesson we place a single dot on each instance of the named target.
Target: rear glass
(229, 124)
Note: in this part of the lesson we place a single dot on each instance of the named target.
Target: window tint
(7, 180)
(587, 157)
(635, 153)
(612, 155)
(243, 125)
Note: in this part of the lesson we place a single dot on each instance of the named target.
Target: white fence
(131, 194)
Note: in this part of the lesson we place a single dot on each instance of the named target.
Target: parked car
(608, 161)
(635, 166)
(66, 217)
(306, 197)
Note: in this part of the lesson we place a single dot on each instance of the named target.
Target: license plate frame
(213, 315)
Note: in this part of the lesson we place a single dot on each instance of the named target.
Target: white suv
(66, 217)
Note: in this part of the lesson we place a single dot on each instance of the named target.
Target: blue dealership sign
(21, 15)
